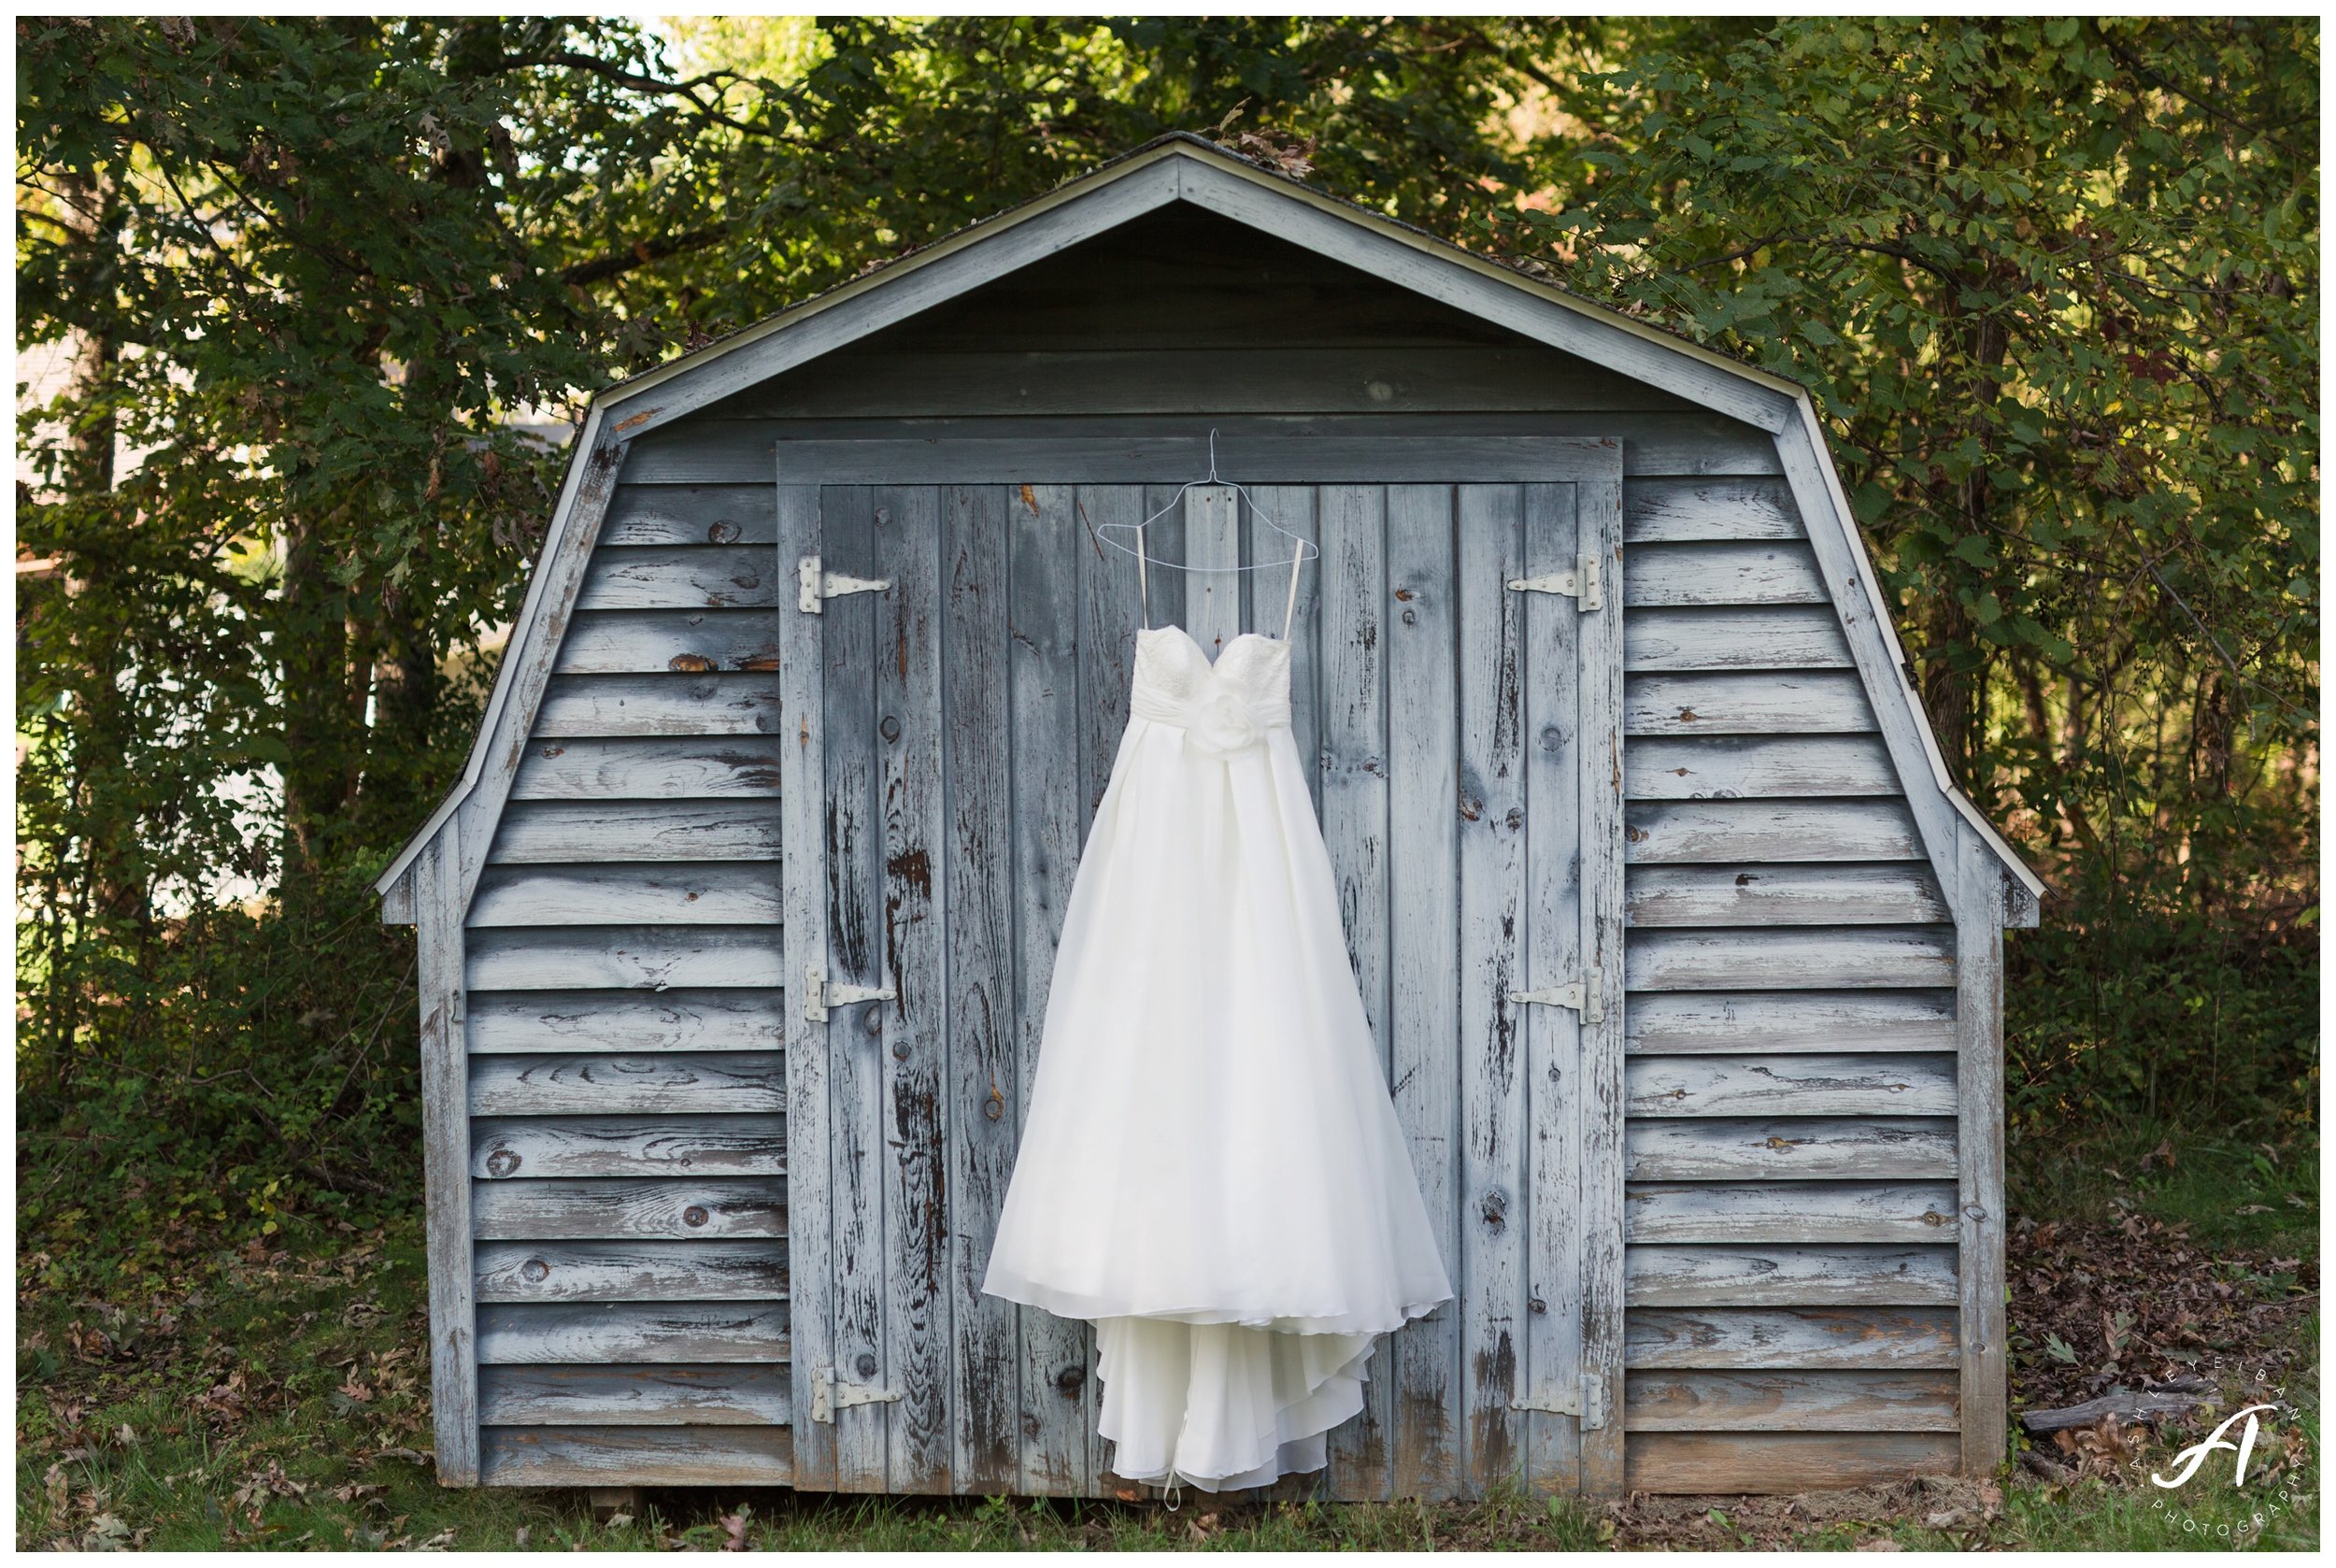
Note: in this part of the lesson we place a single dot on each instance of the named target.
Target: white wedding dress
(1211, 1169)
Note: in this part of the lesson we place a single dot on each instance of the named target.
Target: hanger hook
(1212, 455)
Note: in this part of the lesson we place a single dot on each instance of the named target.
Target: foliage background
(325, 285)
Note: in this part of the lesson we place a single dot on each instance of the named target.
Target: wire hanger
(1306, 548)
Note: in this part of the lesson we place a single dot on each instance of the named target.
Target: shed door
(956, 665)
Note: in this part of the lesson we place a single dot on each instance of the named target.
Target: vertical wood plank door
(957, 642)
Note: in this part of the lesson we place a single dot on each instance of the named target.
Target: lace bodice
(1222, 707)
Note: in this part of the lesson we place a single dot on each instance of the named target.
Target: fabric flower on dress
(1222, 724)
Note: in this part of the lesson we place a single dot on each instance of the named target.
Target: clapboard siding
(1775, 1276)
(1734, 832)
(613, 1208)
(734, 704)
(1787, 1461)
(668, 642)
(642, 958)
(1717, 958)
(1790, 637)
(1724, 767)
(1856, 1400)
(1725, 573)
(681, 577)
(1795, 1338)
(510, 1148)
(1789, 1213)
(1677, 511)
(628, 1137)
(631, 1271)
(714, 1455)
(680, 1019)
(1837, 1084)
(650, 768)
(1809, 1021)
(595, 1333)
(712, 892)
(727, 515)
(1902, 893)
(633, 1396)
(568, 832)
(1796, 1149)
(616, 1085)
(1773, 701)
(711, 1395)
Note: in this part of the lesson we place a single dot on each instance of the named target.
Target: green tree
(2054, 284)
(314, 273)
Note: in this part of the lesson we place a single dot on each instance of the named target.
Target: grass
(274, 1395)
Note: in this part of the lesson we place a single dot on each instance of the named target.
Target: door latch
(1585, 583)
(1586, 996)
(819, 995)
(814, 585)
(829, 1396)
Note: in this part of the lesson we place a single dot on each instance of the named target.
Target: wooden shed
(734, 938)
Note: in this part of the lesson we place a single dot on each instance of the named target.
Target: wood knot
(723, 533)
(535, 1270)
(502, 1162)
(690, 663)
(1070, 1380)
(994, 1106)
(694, 1215)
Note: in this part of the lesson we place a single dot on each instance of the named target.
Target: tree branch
(641, 253)
(686, 91)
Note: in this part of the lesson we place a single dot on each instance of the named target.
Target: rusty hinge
(1586, 582)
(1585, 996)
(820, 994)
(829, 1396)
(1586, 1402)
(813, 585)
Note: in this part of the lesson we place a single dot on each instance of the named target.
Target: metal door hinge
(1586, 582)
(828, 1396)
(1586, 1403)
(813, 585)
(819, 995)
(1586, 996)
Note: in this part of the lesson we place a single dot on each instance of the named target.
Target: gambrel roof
(1186, 169)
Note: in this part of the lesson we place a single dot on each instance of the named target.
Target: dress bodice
(1222, 707)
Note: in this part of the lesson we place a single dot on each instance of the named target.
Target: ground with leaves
(274, 1395)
